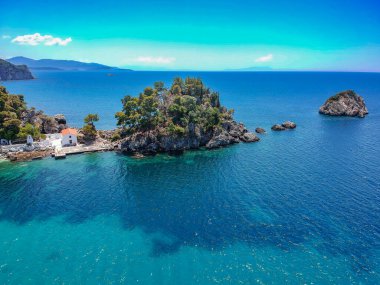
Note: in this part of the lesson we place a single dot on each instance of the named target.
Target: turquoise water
(299, 207)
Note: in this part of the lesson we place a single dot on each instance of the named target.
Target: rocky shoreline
(152, 142)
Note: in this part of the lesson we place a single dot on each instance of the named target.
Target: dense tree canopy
(187, 103)
(11, 108)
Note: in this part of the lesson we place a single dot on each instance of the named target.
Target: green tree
(89, 130)
(29, 129)
(159, 86)
(91, 119)
(188, 105)
(11, 109)
(130, 116)
(10, 129)
(148, 111)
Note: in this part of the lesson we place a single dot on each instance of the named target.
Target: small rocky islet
(288, 125)
(345, 103)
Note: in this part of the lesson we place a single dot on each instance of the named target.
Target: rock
(249, 137)
(289, 125)
(27, 156)
(80, 137)
(222, 138)
(9, 71)
(46, 124)
(60, 119)
(346, 103)
(260, 130)
(155, 141)
(278, 127)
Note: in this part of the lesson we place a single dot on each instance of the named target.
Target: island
(9, 71)
(345, 103)
(188, 115)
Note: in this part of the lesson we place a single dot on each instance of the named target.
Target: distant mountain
(252, 68)
(9, 71)
(55, 64)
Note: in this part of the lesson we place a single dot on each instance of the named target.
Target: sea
(298, 207)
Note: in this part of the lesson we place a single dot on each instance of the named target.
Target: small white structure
(4, 142)
(69, 137)
(29, 140)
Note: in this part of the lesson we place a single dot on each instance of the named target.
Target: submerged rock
(346, 103)
(260, 130)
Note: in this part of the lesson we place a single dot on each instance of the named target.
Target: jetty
(62, 152)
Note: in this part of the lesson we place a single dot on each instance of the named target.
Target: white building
(69, 137)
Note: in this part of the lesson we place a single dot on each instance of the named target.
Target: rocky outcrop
(9, 71)
(346, 103)
(154, 141)
(278, 127)
(27, 156)
(47, 124)
(260, 131)
(288, 125)
(249, 137)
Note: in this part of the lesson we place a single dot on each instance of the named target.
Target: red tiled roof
(69, 132)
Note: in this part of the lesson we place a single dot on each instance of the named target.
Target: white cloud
(37, 39)
(155, 60)
(5, 37)
(264, 58)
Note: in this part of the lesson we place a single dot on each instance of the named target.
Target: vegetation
(29, 129)
(116, 136)
(176, 110)
(11, 108)
(340, 94)
(89, 129)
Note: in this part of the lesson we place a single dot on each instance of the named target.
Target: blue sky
(200, 35)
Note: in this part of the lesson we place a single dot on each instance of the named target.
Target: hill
(9, 71)
(56, 64)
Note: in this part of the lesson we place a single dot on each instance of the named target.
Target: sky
(334, 35)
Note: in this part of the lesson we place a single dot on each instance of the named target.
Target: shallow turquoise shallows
(299, 207)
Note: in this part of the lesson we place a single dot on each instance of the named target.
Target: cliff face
(46, 124)
(152, 142)
(9, 71)
(346, 103)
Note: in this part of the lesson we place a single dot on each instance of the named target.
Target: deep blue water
(299, 207)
